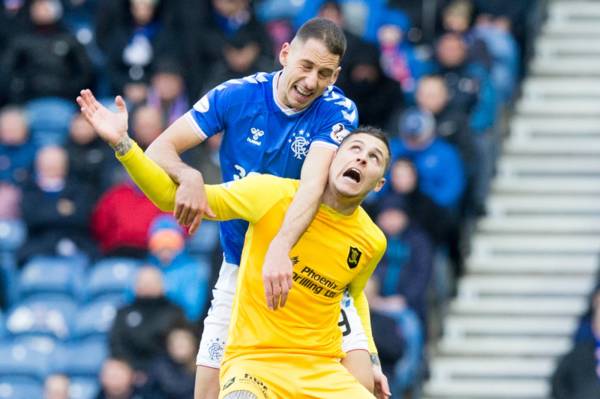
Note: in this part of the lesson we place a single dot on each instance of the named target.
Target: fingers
(286, 285)
(181, 214)
(195, 224)
(268, 292)
(120, 103)
(209, 212)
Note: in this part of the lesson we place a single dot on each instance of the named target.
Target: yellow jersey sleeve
(356, 290)
(149, 177)
(248, 198)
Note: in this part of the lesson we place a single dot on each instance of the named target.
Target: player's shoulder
(248, 83)
(335, 102)
(271, 184)
(370, 229)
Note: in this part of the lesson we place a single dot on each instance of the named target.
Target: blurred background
(488, 288)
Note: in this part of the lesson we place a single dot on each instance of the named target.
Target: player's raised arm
(190, 200)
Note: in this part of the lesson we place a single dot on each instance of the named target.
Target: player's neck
(343, 205)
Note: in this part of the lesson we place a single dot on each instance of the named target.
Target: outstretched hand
(111, 126)
(382, 387)
(277, 274)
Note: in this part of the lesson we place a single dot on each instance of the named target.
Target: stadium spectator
(56, 386)
(167, 90)
(146, 125)
(46, 59)
(117, 380)
(171, 375)
(577, 375)
(471, 90)
(16, 149)
(56, 209)
(121, 219)
(399, 60)
(89, 159)
(141, 37)
(140, 328)
(401, 279)
(185, 280)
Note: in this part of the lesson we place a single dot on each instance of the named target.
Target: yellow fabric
(308, 322)
(290, 376)
(150, 178)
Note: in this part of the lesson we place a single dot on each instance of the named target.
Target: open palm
(110, 125)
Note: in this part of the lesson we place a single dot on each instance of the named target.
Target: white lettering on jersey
(256, 135)
(241, 172)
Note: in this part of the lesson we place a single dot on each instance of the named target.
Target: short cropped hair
(378, 134)
(326, 31)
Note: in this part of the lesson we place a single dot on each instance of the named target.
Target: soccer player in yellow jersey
(294, 352)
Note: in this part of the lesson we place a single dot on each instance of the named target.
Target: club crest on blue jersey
(300, 142)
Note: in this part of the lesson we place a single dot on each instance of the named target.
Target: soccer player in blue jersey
(287, 123)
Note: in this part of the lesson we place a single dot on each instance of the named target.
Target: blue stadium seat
(12, 234)
(42, 316)
(55, 275)
(95, 318)
(83, 388)
(49, 119)
(69, 360)
(8, 278)
(111, 276)
(10, 389)
(2, 326)
(21, 363)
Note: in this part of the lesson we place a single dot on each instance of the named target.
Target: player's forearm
(300, 214)
(147, 175)
(306, 202)
(166, 157)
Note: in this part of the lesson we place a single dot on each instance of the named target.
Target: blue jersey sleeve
(207, 114)
(340, 117)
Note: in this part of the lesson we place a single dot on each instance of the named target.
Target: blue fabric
(16, 162)
(260, 137)
(439, 168)
(186, 283)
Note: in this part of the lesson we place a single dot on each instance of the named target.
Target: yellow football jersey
(335, 252)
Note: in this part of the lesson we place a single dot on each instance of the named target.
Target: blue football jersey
(260, 135)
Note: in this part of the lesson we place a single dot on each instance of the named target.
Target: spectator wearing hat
(439, 167)
(186, 280)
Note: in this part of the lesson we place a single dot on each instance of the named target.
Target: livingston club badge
(353, 257)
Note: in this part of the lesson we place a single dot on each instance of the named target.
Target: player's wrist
(189, 175)
(123, 145)
(375, 359)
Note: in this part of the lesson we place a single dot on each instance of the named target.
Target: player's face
(359, 166)
(308, 68)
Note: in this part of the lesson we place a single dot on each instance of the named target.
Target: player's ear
(379, 185)
(335, 75)
(284, 53)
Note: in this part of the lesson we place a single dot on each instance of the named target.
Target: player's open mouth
(353, 174)
(302, 92)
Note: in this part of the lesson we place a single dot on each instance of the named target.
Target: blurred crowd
(88, 262)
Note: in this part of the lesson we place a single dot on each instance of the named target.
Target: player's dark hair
(326, 31)
(378, 134)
